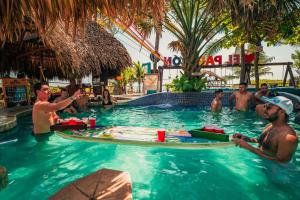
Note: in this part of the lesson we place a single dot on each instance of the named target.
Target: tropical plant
(194, 29)
(187, 84)
(127, 77)
(259, 20)
(294, 37)
(139, 74)
(296, 58)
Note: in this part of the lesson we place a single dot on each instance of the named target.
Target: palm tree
(258, 19)
(127, 77)
(194, 29)
(139, 73)
(262, 70)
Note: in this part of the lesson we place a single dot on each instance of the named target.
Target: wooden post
(248, 71)
(3, 178)
(161, 73)
(285, 75)
(291, 76)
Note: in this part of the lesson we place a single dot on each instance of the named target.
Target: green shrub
(184, 84)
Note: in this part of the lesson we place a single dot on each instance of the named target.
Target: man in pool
(279, 140)
(216, 104)
(43, 112)
(242, 98)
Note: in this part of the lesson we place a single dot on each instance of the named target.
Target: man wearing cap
(278, 141)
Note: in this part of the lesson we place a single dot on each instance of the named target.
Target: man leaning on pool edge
(278, 141)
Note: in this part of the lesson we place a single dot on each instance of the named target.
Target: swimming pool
(39, 169)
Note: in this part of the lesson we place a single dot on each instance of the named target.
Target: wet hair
(107, 93)
(263, 84)
(243, 83)
(38, 86)
(218, 92)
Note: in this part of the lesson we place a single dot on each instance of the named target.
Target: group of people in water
(72, 100)
(278, 140)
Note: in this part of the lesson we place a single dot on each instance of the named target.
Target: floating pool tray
(198, 133)
(143, 136)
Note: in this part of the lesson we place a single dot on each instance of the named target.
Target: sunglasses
(269, 106)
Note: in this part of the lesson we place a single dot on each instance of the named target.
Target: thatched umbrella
(63, 56)
(105, 184)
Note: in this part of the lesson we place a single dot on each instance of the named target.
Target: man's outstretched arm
(286, 148)
(52, 107)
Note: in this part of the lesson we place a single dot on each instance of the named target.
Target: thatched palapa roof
(64, 56)
(45, 13)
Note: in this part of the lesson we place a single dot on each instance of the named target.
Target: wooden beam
(32, 52)
(285, 75)
(234, 65)
(291, 75)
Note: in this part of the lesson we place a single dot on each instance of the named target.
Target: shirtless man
(43, 112)
(242, 98)
(216, 104)
(278, 141)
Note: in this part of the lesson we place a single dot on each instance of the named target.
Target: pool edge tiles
(180, 99)
(10, 117)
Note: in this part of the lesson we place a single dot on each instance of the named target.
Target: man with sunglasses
(43, 112)
(263, 92)
(242, 98)
(279, 140)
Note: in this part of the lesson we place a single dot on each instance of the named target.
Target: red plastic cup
(161, 135)
(72, 122)
(92, 122)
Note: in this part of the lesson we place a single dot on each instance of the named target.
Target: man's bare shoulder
(41, 104)
(250, 93)
(288, 130)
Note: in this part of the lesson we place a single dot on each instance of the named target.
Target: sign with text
(232, 59)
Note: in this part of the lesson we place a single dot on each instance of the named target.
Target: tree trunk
(139, 83)
(243, 66)
(258, 43)
(157, 39)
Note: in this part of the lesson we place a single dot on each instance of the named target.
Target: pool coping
(11, 115)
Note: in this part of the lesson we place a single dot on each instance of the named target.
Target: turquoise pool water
(39, 169)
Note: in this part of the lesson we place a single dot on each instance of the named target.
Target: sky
(280, 53)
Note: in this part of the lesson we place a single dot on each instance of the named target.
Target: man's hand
(77, 94)
(241, 143)
(238, 135)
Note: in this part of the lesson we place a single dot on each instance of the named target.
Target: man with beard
(278, 141)
(43, 112)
